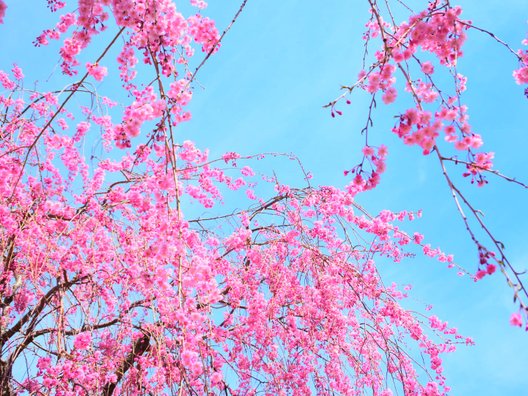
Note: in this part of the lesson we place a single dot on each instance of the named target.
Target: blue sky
(264, 92)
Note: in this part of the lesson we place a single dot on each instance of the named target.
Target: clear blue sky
(264, 91)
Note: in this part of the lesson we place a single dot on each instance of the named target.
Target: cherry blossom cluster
(134, 298)
(125, 272)
(368, 172)
(124, 294)
(436, 31)
(155, 29)
(521, 74)
(421, 52)
(146, 107)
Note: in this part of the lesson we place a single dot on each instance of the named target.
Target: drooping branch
(439, 31)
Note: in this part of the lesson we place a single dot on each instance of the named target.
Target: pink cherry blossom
(82, 341)
(129, 269)
(427, 67)
(96, 71)
(516, 319)
(3, 8)
(389, 95)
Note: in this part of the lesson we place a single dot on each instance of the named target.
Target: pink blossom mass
(127, 270)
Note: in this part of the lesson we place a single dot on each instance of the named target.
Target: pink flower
(247, 171)
(230, 156)
(199, 4)
(204, 32)
(96, 71)
(368, 151)
(520, 75)
(2, 10)
(427, 68)
(397, 56)
(516, 319)
(251, 194)
(44, 363)
(418, 238)
(83, 340)
(17, 72)
(216, 378)
(389, 96)
(480, 274)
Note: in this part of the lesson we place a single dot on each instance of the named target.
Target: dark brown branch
(5, 379)
(141, 346)
(33, 314)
